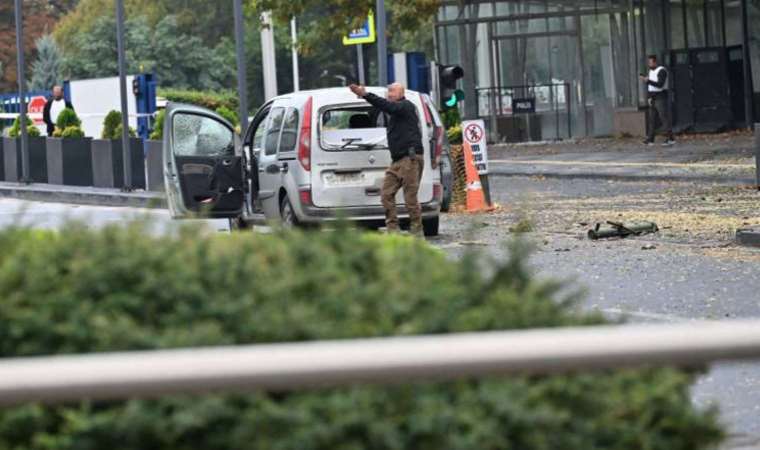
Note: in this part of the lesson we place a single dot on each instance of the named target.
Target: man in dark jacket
(659, 102)
(405, 144)
(53, 107)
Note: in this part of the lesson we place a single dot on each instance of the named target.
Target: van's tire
(430, 226)
(287, 213)
(238, 223)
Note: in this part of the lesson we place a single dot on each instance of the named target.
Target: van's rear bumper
(361, 213)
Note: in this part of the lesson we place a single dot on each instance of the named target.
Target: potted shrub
(154, 156)
(107, 155)
(69, 152)
(12, 153)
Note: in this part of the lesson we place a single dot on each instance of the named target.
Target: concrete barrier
(154, 162)
(69, 161)
(108, 166)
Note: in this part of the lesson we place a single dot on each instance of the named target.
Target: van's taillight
(438, 151)
(305, 196)
(438, 192)
(304, 144)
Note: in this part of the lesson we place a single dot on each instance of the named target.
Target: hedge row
(126, 288)
(208, 100)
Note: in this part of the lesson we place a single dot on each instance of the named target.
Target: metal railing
(384, 360)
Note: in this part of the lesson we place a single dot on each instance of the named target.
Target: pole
(125, 150)
(748, 89)
(294, 38)
(382, 45)
(268, 60)
(237, 7)
(22, 91)
(757, 155)
(360, 63)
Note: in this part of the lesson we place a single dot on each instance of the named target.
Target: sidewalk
(82, 195)
(724, 158)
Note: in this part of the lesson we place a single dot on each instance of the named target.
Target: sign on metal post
(364, 35)
(474, 133)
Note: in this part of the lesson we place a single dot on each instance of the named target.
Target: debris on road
(749, 237)
(649, 247)
(621, 230)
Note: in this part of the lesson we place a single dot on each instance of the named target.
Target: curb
(82, 195)
(622, 177)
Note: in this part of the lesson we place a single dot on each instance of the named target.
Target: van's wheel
(430, 226)
(238, 223)
(289, 219)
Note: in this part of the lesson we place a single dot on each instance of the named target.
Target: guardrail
(282, 367)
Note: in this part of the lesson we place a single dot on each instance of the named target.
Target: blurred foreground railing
(383, 361)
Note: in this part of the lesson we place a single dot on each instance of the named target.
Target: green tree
(46, 69)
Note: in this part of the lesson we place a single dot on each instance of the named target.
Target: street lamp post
(125, 150)
(241, 67)
(22, 91)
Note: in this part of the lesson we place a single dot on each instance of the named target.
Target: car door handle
(226, 162)
(273, 169)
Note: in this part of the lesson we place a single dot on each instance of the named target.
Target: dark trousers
(659, 108)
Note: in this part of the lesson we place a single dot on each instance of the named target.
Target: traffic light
(450, 95)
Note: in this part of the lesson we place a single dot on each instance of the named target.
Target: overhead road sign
(364, 35)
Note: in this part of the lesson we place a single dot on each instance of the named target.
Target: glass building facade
(578, 62)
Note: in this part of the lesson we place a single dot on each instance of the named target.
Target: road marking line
(619, 164)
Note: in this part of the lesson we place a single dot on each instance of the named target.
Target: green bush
(67, 118)
(208, 100)
(455, 134)
(230, 115)
(72, 132)
(110, 122)
(31, 130)
(112, 126)
(83, 290)
(158, 127)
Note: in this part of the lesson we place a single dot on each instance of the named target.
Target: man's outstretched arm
(378, 102)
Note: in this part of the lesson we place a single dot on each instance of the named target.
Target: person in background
(405, 144)
(55, 104)
(659, 104)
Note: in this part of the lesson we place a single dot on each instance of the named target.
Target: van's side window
(272, 131)
(258, 135)
(289, 137)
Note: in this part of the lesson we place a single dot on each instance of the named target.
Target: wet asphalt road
(675, 281)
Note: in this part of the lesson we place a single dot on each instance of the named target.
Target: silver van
(307, 157)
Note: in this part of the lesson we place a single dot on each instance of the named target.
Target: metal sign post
(269, 62)
(360, 63)
(125, 150)
(22, 92)
(757, 155)
(241, 68)
(382, 45)
(294, 38)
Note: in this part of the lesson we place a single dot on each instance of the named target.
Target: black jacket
(46, 115)
(403, 126)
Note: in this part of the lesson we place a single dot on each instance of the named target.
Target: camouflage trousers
(403, 174)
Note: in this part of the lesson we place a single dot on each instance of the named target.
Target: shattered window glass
(196, 135)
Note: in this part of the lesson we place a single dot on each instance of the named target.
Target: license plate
(344, 179)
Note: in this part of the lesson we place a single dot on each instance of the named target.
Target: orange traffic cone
(476, 200)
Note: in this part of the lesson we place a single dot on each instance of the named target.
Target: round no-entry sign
(36, 106)
(473, 133)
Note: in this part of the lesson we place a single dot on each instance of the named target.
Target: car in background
(306, 158)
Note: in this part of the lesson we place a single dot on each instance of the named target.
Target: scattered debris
(649, 247)
(620, 229)
(748, 236)
(561, 250)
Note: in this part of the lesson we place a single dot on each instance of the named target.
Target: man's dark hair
(653, 57)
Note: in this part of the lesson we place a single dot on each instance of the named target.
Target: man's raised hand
(360, 91)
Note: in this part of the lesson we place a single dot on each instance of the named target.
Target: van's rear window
(352, 128)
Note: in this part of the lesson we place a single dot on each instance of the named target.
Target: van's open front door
(203, 171)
